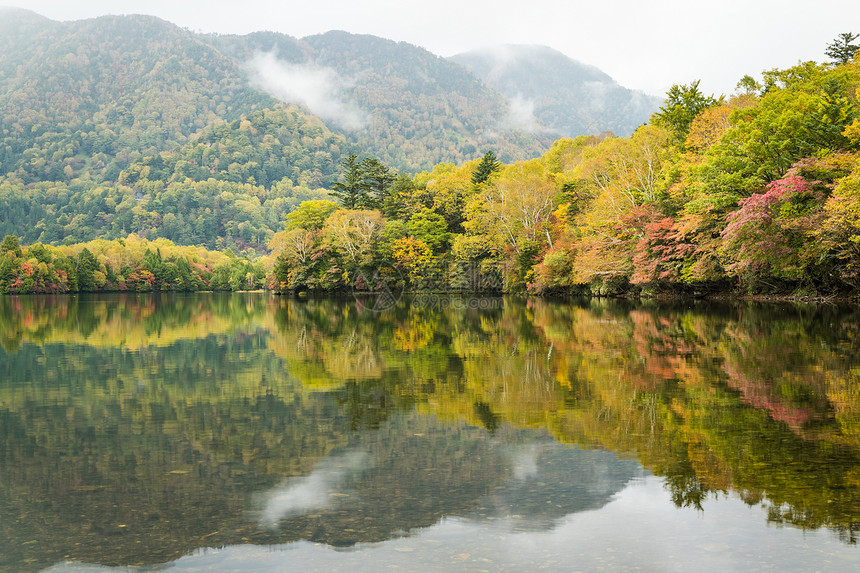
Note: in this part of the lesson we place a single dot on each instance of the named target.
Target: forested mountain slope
(86, 98)
(130, 124)
(408, 107)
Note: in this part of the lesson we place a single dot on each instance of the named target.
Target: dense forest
(104, 122)
(130, 264)
(758, 192)
(755, 192)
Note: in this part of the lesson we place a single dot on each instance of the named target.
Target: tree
(430, 228)
(683, 104)
(840, 230)
(396, 202)
(841, 50)
(487, 166)
(352, 191)
(415, 257)
(365, 184)
(770, 235)
(10, 243)
(748, 85)
(311, 215)
(87, 265)
(519, 206)
(378, 179)
(353, 233)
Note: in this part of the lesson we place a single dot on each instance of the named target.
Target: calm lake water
(247, 432)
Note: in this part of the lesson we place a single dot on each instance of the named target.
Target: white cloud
(524, 461)
(313, 492)
(521, 115)
(321, 89)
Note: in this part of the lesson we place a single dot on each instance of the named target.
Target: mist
(313, 492)
(320, 89)
(521, 115)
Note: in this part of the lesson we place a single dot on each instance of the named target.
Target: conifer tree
(488, 165)
(353, 190)
(683, 104)
(842, 49)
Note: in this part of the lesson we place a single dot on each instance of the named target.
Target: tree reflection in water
(137, 428)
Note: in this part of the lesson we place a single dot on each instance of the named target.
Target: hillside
(130, 124)
(410, 108)
(566, 96)
(87, 98)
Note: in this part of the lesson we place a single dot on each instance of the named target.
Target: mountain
(565, 96)
(87, 98)
(411, 108)
(131, 86)
(124, 124)
(128, 124)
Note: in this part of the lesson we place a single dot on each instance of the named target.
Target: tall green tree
(10, 243)
(842, 49)
(352, 191)
(378, 179)
(488, 165)
(683, 104)
(87, 265)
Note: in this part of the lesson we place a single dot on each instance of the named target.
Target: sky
(647, 45)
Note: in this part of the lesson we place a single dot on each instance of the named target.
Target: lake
(249, 432)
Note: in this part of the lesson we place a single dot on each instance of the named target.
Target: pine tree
(488, 165)
(353, 191)
(378, 179)
(841, 49)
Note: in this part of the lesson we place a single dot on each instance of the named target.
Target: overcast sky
(643, 44)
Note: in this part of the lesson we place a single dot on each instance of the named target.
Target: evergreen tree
(352, 193)
(841, 50)
(683, 104)
(86, 267)
(378, 179)
(10, 243)
(394, 205)
(488, 165)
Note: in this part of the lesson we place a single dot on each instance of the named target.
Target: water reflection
(639, 530)
(135, 429)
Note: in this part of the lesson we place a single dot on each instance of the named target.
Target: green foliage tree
(352, 191)
(396, 203)
(488, 165)
(87, 265)
(683, 104)
(378, 179)
(808, 117)
(843, 48)
(430, 228)
(748, 85)
(11, 245)
(366, 184)
(311, 215)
